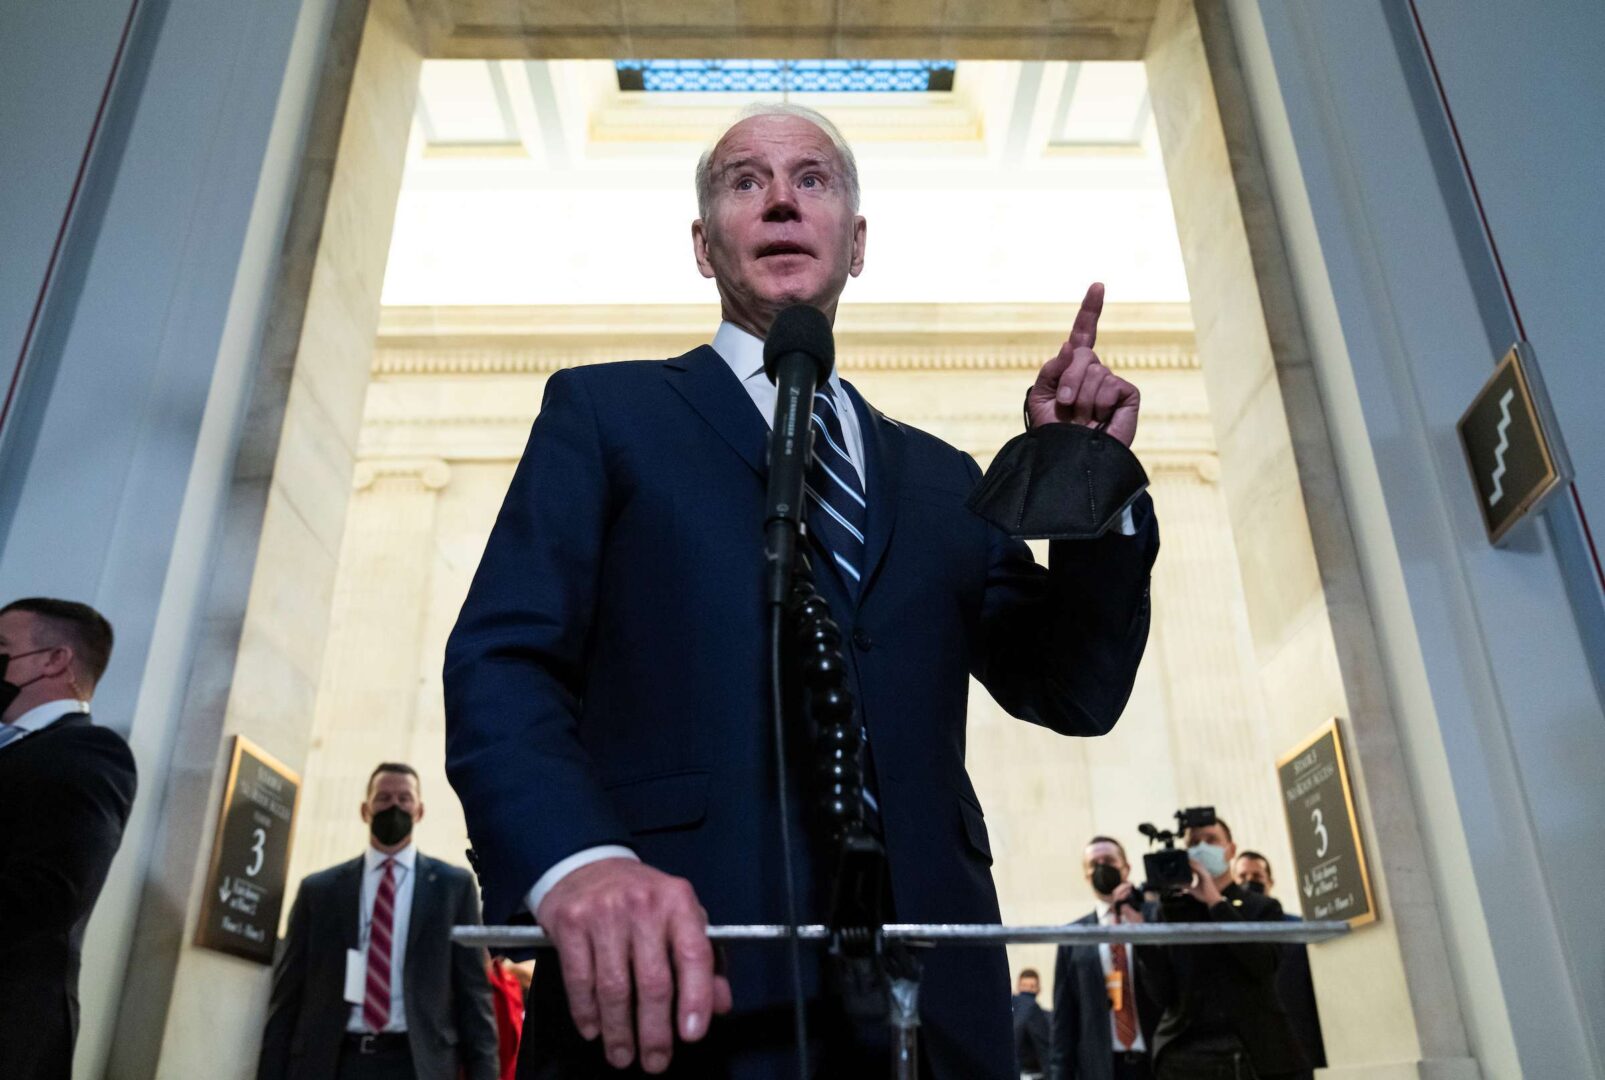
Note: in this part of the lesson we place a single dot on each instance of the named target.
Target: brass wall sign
(1511, 444)
(1328, 855)
(250, 855)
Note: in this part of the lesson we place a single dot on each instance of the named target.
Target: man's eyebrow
(738, 163)
(811, 162)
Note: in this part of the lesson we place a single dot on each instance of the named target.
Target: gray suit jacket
(1083, 1047)
(449, 1017)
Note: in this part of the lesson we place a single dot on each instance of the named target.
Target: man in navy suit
(606, 704)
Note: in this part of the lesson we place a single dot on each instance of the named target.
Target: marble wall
(446, 418)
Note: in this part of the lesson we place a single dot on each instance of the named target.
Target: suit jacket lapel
(425, 898)
(705, 381)
(883, 483)
(348, 898)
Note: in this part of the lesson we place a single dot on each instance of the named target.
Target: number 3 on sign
(259, 839)
(1315, 816)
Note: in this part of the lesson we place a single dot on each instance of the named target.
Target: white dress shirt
(406, 868)
(40, 717)
(744, 354)
(1106, 917)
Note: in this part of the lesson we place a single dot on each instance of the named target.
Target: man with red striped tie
(1103, 1015)
(368, 985)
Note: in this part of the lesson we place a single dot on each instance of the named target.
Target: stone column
(1220, 750)
(367, 700)
(1385, 993)
(185, 1011)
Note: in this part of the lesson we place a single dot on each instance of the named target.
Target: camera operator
(1222, 1017)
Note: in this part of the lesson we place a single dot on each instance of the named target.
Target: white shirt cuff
(564, 867)
(1128, 524)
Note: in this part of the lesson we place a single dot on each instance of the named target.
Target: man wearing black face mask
(368, 985)
(1103, 1016)
(1294, 986)
(66, 788)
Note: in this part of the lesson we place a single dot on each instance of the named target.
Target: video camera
(1169, 869)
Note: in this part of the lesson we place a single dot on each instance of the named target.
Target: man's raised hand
(1074, 387)
(633, 944)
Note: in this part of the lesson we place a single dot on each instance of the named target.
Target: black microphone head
(800, 329)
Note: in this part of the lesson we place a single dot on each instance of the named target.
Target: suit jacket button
(862, 640)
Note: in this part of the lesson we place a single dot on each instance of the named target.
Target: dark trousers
(1207, 1065)
(384, 1057)
(1132, 1065)
(757, 1046)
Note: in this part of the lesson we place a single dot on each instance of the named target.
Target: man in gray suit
(368, 985)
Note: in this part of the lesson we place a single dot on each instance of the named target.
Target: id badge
(1115, 982)
(356, 977)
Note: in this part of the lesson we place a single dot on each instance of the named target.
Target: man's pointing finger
(1084, 333)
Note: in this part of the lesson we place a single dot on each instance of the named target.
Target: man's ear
(860, 226)
(59, 660)
(418, 814)
(367, 814)
(699, 247)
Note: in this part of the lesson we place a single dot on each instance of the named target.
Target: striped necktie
(376, 996)
(836, 494)
(1126, 1014)
(837, 517)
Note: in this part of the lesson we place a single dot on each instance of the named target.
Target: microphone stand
(874, 977)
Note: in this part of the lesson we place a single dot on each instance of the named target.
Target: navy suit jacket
(605, 682)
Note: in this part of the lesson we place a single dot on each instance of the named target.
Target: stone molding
(430, 474)
(872, 337)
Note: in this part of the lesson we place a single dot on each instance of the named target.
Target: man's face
(1103, 853)
(393, 789)
(780, 228)
(31, 663)
(1028, 985)
(1212, 834)
(1249, 869)
(16, 637)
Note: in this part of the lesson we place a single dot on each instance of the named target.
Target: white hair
(800, 112)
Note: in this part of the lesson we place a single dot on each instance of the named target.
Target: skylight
(781, 76)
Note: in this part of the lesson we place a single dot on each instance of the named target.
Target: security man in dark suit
(1293, 982)
(368, 985)
(66, 789)
(1222, 1013)
(1031, 1033)
(607, 719)
(1103, 1013)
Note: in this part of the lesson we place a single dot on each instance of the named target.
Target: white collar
(42, 716)
(1104, 908)
(743, 353)
(406, 858)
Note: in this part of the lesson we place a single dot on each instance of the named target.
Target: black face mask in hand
(391, 825)
(1105, 878)
(1059, 482)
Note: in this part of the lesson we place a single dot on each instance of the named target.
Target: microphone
(797, 356)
